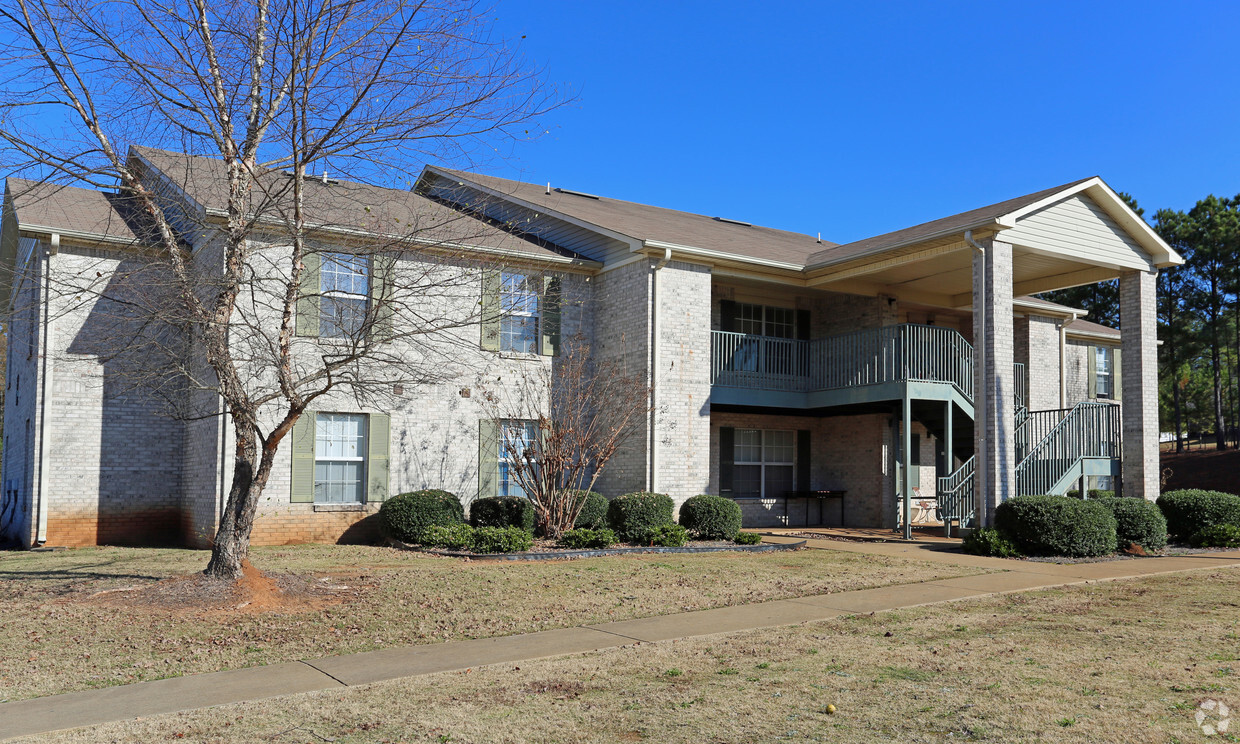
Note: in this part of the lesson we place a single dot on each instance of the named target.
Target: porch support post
(994, 403)
(949, 460)
(1139, 382)
(906, 426)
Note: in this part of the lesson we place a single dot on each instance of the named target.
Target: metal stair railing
(1085, 430)
(956, 500)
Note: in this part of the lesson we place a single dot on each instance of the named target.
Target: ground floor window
(517, 437)
(764, 462)
(1102, 371)
(340, 458)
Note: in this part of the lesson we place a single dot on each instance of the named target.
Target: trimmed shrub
(1057, 525)
(407, 516)
(593, 514)
(584, 538)
(502, 511)
(452, 537)
(667, 536)
(747, 538)
(1191, 510)
(1137, 521)
(633, 515)
(711, 517)
(989, 542)
(1217, 536)
(501, 540)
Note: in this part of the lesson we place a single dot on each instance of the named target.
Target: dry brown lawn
(98, 617)
(1127, 661)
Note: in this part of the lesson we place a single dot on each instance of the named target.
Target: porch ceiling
(945, 278)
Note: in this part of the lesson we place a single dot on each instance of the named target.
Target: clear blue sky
(854, 119)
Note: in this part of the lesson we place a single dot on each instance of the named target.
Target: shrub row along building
(850, 383)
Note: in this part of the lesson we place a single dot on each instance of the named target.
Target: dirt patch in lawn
(253, 594)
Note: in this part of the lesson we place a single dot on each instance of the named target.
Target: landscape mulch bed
(545, 550)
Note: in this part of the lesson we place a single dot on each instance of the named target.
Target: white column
(1139, 366)
(994, 400)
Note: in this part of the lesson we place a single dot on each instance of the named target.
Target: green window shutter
(802, 482)
(1091, 353)
(1117, 374)
(308, 300)
(727, 459)
(550, 316)
(303, 458)
(490, 309)
(383, 270)
(378, 456)
(488, 458)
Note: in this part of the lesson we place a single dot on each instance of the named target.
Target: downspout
(45, 386)
(1063, 360)
(980, 414)
(654, 369)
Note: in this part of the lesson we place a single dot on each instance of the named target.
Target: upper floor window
(344, 281)
(765, 320)
(518, 304)
(1103, 359)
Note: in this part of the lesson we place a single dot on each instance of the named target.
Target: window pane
(748, 318)
(340, 458)
(341, 316)
(780, 446)
(778, 480)
(779, 322)
(748, 445)
(747, 480)
(345, 272)
(518, 333)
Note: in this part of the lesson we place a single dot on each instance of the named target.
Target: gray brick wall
(1139, 312)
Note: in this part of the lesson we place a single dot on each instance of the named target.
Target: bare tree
(580, 411)
(273, 91)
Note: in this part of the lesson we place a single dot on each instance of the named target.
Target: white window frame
(765, 318)
(1104, 372)
(362, 449)
(763, 463)
(513, 433)
(338, 265)
(517, 300)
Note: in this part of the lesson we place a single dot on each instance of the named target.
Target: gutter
(654, 369)
(45, 385)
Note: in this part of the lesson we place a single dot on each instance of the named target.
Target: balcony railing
(868, 357)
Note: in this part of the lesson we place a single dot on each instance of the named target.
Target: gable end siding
(1078, 228)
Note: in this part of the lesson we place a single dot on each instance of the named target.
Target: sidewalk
(56, 712)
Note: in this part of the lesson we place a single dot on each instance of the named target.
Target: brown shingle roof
(1086, 326)
(345, 205)
(72, 209)
(956, 223)
(646, 222)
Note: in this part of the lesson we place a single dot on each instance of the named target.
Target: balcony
(857, 367)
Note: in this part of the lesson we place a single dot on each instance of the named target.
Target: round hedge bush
(1057, 525)
(407, 516)
(1137, 521)
(502, 511)
(1217, 536)
(1190, 510)
(711, 517)
(500, 540)
(635, 515)
(593, 514)
(989, 542)
(747, 538)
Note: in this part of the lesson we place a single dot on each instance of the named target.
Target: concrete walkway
(72, 710)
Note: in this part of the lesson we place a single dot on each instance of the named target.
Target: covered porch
(979, 262)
